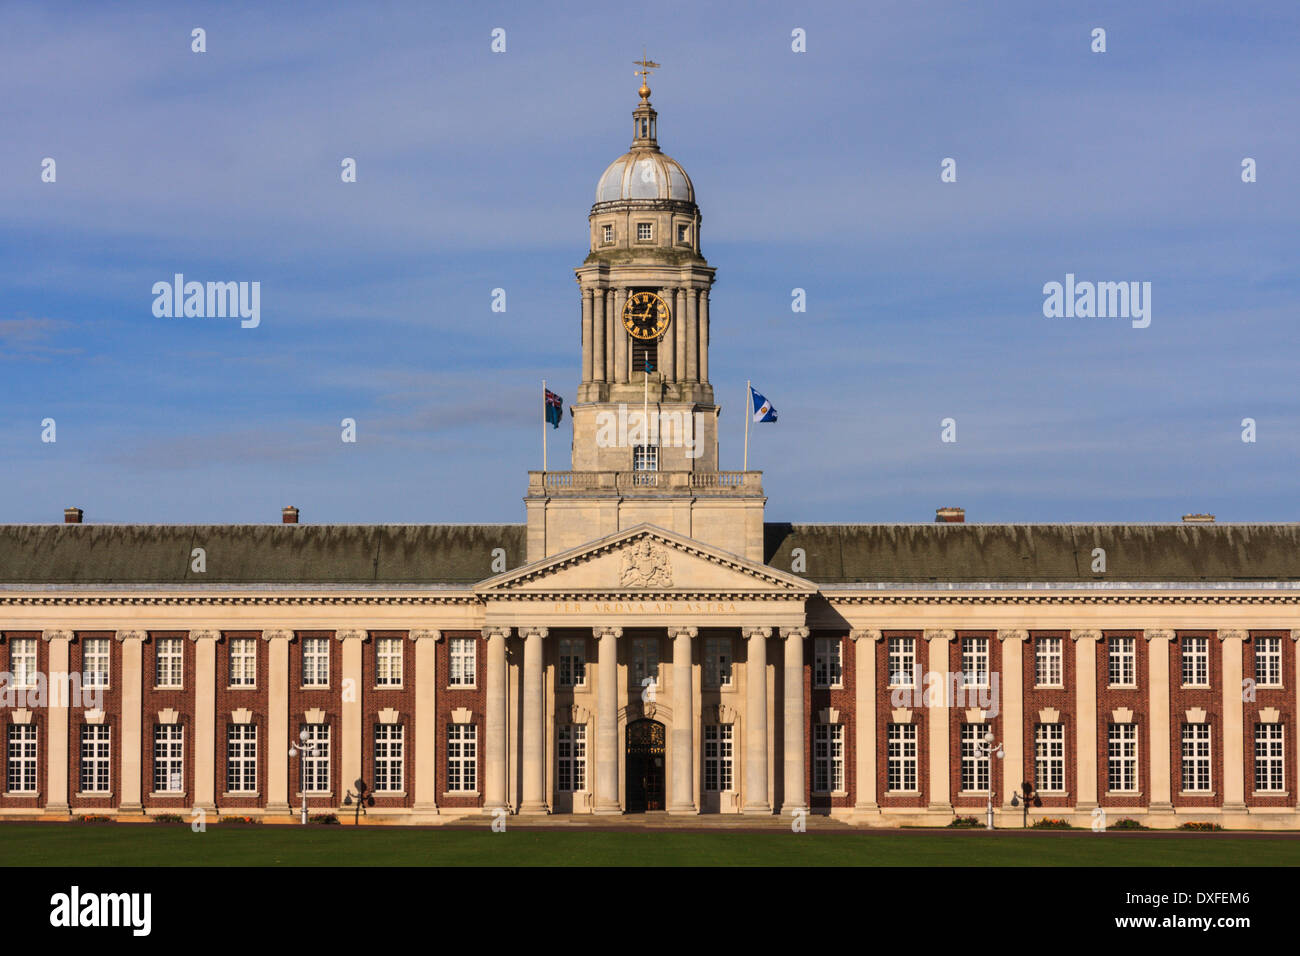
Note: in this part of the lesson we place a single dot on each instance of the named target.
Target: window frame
(169, 655)
(719, 746)
(1268, 662)
(719, 666)
(22, 751)
(26, 651)
(828, 668)
(976, 761)
(1123, 764)
(168, 757)
(1120, 651)
(390, 663)
(314, 765)
(96, 759)
(1270, 765)
(389, 742)
(106, 654)
(1194, 655)
(1049, 758)
(905, 652)
(1198, 737)
(241, 759)
(462, 758)
(973, 650)
(571, 758)
(572, 663)
(1049, 657)
(316, 651)
(241, 663)
(462, 663)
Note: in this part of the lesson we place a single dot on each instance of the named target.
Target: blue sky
(817, 170)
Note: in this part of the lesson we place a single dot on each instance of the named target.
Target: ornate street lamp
(1027, 795)
(365, 797)
(987, 747)
(304, 748)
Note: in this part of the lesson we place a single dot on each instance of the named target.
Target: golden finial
(646, 66)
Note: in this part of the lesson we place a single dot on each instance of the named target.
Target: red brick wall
(1135, 699)
(153, 700)
(1283, 699)
(256, 699)
(301, 700)
(39, 718)
(402, 699)
(957, 717)
(450, 698)
(1037, 698)
(919, 718)
(1183, 698)
(112, 707)
(816, 699)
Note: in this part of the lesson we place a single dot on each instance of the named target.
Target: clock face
(645, 316)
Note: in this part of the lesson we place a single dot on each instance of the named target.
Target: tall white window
(388, 662)
(1122, 758)
(315, 661)
(22, 661)
(828, 758)
(1196, 758)
(571, 756)
(95, 755)
(1049, 758)
(1268, 661)
(241, 758)
(461, 653)
(168, 758)
(243, 662)
(717, 662)
(1270, 758)
(94, 662)
(168, 661)
(462, 758)
(902, 662)
(1122, 657)
(645, 662)
(316, 762)
(390, 757)
(974, 760)
(901, 770)
(573, 662)
(719, 756)
(828, 663)
(22, 758)
(1047, 662)
(975, 661)
(645, 458)
(607, 233)
(644, 231)
(1196, 661)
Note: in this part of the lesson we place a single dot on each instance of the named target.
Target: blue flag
(554, 409)
(763, 410)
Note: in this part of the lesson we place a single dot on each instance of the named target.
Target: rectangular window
(241, 758)
(719, 756)
(462, 758)
(1270, 758)
(1122, 758)
(607, 233)
(645, 458)
(974, 758)
(645, 663)
(315, 759)
(1196, 661)
(901, 773)
(1048, 662)
(22, 661)
(828, 758)
(168, 661)
(461, 652)
(95, 758)
(1268, 661)
(1122, 655)
(683, 233)
(1196, 758)
(388, 662)
(1049, 758)
(389, 758)
(573, 662)
(717, 662)
(243, 662)
(975, 662)
(571, 756)
(644, 231)
(315, 662)
(94, 662)
(828, 663)
(902, 662)
(168, 758)
(22, 758)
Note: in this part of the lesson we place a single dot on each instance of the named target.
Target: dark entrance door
(645, 766)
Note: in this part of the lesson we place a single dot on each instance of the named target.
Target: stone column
(936, 713)
(353, 734)
(704, 335)
(1085, 737)
(56, 799)
(756, 795)
(1012, 709)
(692, 337)
(679, 340)
(598, 335)
(494, 785)
(586, 335)
(620, 338)
(534, 720)
(607, 720)
(427, 745)
(1158, 669)
(793, 720)
(277, 718)
(612, 322)
(1295, 638)
(864, 719)
(682, 798)
(1234, 783)
(667, 356)
(205, 719)
(132, 699)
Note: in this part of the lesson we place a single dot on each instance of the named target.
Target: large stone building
(646, 641)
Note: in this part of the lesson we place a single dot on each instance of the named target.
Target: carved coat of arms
(646, 565)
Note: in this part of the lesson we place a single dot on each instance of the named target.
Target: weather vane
(646, 66)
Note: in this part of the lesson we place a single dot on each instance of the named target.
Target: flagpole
(544, 424)
(645, 410)
(749, 401)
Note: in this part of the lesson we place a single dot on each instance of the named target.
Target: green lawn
(167, 845)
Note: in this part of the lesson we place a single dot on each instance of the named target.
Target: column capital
(938, 634)
(796, 632)
(351, 634)
(749, 632)
(204, 635)
(691, 632)
(1232, 634)
(1087, 634)
(1295, 635)
(279, 634)
(865, 634)
(533, 631)
(56, 635)
(424, 634)
(1013, 634)
(491, 632)
(614, 632)
(1158, 634)
(131, 635)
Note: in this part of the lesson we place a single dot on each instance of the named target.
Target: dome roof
(644, 174)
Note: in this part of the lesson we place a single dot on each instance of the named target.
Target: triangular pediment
(646, 560)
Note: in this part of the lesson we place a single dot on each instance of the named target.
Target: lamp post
(987, 747)
(302, 747)
(364, 797)
(1026, 795)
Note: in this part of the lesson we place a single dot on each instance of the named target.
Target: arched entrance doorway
(645, 766)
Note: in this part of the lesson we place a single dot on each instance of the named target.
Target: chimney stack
(72, 516)
(289, 515)
(1198, 519)
(950, 515)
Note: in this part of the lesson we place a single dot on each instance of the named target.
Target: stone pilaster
(1158, 697)
(620, 338)
(1012, 709)
(607, 720)
(427, 744)
(597, 335)
(703, 343)
(679, 320)
(757, 799)
(586, 335)
(1085, 696)
(682, 797)
(1234, 783)
(534, 720)
(352, 733)
(667, 352)
(793, 720)
(56, 799)
(277, 717)
(495, 751)
(936, 715)
(205, 719)
(132, 699)
(864, 668)
(692, 337)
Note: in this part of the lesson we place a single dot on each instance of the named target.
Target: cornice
(1063, 600)
(359, 600)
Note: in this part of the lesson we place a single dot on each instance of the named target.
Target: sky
(817, 170)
